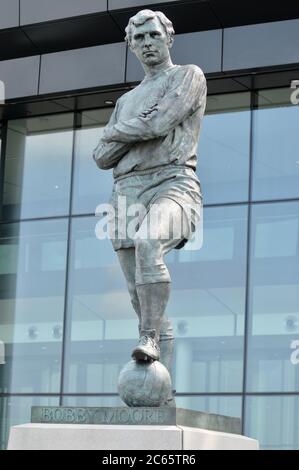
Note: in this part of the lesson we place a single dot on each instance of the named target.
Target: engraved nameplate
(117, 415)
(167, 416)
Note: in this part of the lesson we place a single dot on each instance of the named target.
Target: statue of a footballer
(150, 142)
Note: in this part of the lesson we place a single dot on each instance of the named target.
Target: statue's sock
(166, 344)
(153, 299)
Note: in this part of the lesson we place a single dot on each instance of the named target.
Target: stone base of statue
(122, 428)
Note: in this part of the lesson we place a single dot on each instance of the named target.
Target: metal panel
(83, 68)
(261, 45)
(203, 49)
(36, 11)
(9, 13)
(20, 76)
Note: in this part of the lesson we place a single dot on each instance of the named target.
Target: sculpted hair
(145, 15)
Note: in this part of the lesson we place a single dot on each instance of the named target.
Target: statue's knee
(146, 250)
(150, 266)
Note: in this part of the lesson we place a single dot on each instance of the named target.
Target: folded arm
(186, 94)
(107, 154)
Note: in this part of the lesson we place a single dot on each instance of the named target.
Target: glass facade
(65, 314)
(32, 271)
(37, 172)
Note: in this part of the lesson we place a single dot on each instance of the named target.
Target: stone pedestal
(117, 437)
(124, 428)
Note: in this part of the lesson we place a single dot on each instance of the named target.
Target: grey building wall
(20, 76)
(261, 45)
(216, 52)
(83, 68)
(35, 11)
(9, 13)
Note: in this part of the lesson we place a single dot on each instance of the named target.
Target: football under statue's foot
(170, 402)
(146, 350)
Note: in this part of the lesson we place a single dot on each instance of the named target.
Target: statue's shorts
(135, 194)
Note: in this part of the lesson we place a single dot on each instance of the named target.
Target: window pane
(92, 186)
(274, 298)
(273, 421)
(224, 148)
(102, 325)
(38, 166)
(222, 405)
(207, 305)
(17, 410)
(208, 320)
(84, 400)
(275, 146)
(32, 279)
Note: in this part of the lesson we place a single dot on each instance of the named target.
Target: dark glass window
(273, 420)
(92, 186)
(207, 304)
(274, 298)
(275, 146)
(32, 280)
(223, 405)
(223, 163)
(38, 167)
(102, 325)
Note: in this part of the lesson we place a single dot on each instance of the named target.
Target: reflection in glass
(274, 298)
(223, 151)
(102, 325)
(275, 146)
(207, 305)
(84, 400)
(223, 405)
(32, 279)
(17, 410)
(273, 420)
(92, 186)
(38, 166)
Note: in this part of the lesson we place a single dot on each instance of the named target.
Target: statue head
(150, 35)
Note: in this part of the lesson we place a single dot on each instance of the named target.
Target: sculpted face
(150, 42)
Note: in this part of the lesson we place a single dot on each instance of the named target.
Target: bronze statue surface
(151, 142)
